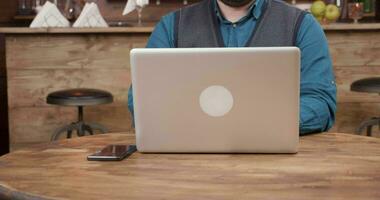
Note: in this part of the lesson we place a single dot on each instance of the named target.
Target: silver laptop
(216, 100)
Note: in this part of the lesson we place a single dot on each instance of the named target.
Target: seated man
(259, 23)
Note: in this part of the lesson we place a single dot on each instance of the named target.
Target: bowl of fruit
(325, 13)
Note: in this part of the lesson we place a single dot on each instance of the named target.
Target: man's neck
(233, 14)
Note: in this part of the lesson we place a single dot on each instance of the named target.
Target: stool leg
(80, 113)
(69, 134)
(369, 130)
(61, 130)
(365, 124)
(96, 126)
(88, 129)
(80, 129)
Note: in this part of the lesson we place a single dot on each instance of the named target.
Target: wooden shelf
(352, 26)
(24, 17)
(150, 26)
(25, 30)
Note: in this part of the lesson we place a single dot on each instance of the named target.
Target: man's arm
(318, 89)
(161, 37)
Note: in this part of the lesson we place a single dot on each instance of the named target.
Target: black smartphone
(114, 152)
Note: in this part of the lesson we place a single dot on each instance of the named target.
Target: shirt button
(234, 25)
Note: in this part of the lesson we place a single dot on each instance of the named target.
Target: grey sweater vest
(197, 26)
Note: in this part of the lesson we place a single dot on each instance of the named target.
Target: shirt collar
(254, 11)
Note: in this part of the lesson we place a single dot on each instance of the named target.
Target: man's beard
(236, 3)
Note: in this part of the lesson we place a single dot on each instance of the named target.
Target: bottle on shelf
(24, 7)
(369, 8)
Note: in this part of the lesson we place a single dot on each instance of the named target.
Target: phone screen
(113, 152)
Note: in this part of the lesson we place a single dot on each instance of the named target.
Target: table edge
(12, 194)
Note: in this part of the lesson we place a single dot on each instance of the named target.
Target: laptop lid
(216, 100)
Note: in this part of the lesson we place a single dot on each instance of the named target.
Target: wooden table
(328, 166)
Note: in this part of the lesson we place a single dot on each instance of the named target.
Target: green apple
(332, 12)
(318, 8)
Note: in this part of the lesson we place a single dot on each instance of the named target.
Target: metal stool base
(80, 127)
(368, 124)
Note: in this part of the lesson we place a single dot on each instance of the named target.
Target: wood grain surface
(44, 62)
(328, 166)
(350, 115)
(149, 26)
(40, 64)
(355, 55)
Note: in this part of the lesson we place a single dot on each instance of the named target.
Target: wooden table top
(328, 166)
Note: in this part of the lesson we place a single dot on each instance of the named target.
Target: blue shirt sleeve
(163, 34)
(318, 89)
(161, 37)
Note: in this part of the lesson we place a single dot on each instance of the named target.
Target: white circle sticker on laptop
(216, 101)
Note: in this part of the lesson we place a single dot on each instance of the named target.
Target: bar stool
(368, 85)
(79, 97)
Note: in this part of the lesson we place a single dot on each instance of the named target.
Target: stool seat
(79, 97)
(368, 85)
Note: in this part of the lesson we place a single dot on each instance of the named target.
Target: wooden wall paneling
(345, 76)
(36, 124)
(29, 88)
(103, 62)
(114, 117)
(355, 55)
(38, 65)
(350, 115)
(354, 48)
(67, 51)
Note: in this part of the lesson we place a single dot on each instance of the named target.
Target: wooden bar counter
(328, 166)
(40, 61)
(43, 60)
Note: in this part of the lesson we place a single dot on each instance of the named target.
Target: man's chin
(236, 3)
